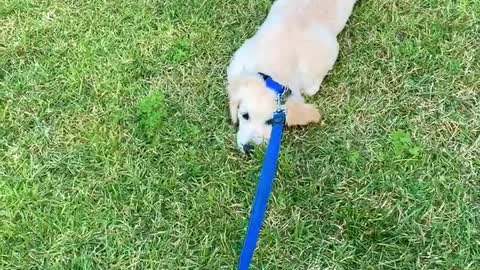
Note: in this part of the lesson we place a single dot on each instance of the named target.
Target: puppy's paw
(300, 114)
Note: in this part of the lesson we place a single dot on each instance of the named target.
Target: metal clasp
(281, 99)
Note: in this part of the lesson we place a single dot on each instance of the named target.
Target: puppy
(296, 46)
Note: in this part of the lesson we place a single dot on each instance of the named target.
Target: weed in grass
(403, 146)
(151, 113)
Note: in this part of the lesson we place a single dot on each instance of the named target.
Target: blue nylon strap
(265, 182)
(272, 84)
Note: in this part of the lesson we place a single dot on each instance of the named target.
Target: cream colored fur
(296, 46)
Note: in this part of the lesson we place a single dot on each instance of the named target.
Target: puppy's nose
(248, 148)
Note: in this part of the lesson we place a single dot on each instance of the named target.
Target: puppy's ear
(234, 101)
(300, 114)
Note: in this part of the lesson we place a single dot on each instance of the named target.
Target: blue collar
(282, 92)
(278, 88)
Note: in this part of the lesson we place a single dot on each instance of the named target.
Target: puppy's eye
(269, 122)
(246, 116)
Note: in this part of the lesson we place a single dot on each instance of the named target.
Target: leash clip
(281, 99)
(281, 92)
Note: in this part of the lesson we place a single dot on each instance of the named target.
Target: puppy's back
(331, 14)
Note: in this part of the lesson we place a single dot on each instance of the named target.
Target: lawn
(116, 151)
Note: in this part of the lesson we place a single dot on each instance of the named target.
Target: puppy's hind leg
(313, 88)
(320, 56)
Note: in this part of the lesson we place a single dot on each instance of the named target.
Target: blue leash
(267, 175)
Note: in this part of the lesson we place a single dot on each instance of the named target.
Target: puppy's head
(252, 106)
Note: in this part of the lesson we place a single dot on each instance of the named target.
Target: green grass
(116, 151)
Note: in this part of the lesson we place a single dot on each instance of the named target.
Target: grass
(116, 151)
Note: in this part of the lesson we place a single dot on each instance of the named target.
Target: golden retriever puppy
(296, 46)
